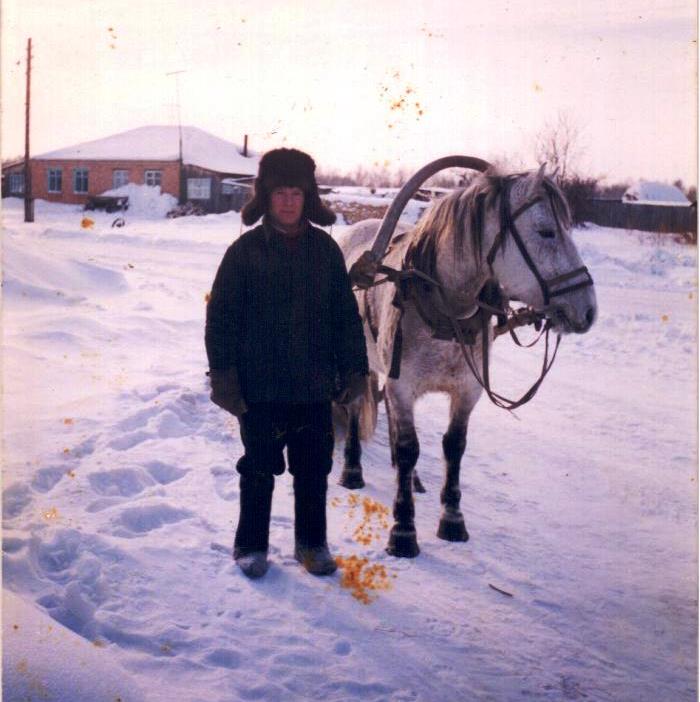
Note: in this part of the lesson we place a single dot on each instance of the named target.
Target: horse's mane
(463, 212)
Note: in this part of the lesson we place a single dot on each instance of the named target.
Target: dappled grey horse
(502, 239)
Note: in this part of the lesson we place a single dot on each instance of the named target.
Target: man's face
(286, 206)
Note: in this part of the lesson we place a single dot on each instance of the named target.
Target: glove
(353, 388)
(226, 391)
(364, 270)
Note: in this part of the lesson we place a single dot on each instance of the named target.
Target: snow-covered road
(120, 495)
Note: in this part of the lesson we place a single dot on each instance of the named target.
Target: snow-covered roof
(652, 193)
(161, 143)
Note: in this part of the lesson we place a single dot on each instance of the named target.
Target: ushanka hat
(288, 168)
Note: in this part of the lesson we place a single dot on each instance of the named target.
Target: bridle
(507, 226)
(512, 318)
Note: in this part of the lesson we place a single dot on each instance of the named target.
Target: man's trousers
(306, 430)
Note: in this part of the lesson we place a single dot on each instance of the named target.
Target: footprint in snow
(45, 479)
(55, 557)
(225, 482)
(129, 441)
(148, 395)
(165, 473)
(138, 521)
(170, 426)
(121, 482)
(13, 544)
(223, 658)
(342, 648)
(137, 420)
(85, 448)
(15, 499)
(103, 503)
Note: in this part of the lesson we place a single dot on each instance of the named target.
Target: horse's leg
(390, 425)
(417, 484)
(405, 448)
(351, 477)
(454, 441)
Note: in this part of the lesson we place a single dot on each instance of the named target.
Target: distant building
(13, 178)
(652, 193)
(214, 174)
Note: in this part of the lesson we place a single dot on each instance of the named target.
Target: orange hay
(361, 578)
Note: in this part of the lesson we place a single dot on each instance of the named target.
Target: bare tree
(558, 144)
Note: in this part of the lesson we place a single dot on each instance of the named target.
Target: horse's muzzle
(566, 321)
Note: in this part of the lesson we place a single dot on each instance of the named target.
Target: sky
(394, 83)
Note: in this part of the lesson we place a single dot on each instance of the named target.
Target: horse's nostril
(590, 316)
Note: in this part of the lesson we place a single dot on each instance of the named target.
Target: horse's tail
(366, 406)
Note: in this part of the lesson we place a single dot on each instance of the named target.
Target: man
(284, 338)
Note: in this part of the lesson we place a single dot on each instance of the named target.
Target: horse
(502, 238)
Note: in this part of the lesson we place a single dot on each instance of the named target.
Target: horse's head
(532, 255)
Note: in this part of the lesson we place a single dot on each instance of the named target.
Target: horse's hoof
(452, 530)
(351, 479)
(402, 544)
(417, 485)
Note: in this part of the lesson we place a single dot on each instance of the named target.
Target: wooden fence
(650, 218)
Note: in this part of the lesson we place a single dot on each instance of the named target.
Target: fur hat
(286, 168)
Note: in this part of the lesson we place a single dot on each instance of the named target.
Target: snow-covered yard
(120, 498)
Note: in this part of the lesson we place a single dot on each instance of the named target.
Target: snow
(145, 200)
(120, 497)
(652, 193)
(381, 197)
(37, 665)
(161, 143)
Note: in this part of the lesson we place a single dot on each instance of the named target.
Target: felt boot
(253, 533)
(316, 559)
(311, 548)
(254, 564)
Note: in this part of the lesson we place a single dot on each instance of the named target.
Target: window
(80, 180)
(153, 177)
(16, 183)
(55, 180)
(119, 178)
(198, 188)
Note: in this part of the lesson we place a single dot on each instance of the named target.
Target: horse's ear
(537, 181)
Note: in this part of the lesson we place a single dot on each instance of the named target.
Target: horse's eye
(546, 233)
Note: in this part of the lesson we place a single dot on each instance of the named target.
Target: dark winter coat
(285, 317)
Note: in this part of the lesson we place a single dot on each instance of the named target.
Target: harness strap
(397, 344)
(483, 378)
(368, 316)
(396, 349)
(507, 220)
(506, 322)
(587, 280)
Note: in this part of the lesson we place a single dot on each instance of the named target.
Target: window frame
(153, 174)
(53, 174)
(199, 185)
(81, 173)
(123, 173)
(17, 177)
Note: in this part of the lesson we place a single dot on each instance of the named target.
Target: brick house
(214, 173)
(13, 178)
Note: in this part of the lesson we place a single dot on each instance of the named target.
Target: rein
(512, 318)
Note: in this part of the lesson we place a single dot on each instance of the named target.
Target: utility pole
(28, 200)
(182, 195)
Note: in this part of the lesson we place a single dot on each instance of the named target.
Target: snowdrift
(120, 498)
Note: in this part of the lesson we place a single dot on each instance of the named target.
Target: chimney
(245, 145)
